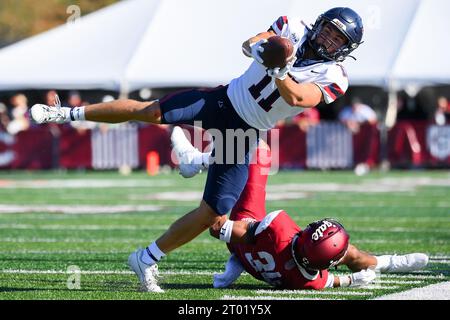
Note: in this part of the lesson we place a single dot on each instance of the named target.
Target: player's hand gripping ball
(277, 52)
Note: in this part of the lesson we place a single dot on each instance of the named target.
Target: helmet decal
(320, 245)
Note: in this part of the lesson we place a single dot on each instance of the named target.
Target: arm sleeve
(278, 25)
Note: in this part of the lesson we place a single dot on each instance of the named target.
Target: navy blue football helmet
(348, 22)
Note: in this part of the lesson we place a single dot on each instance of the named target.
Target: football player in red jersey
(274, 249)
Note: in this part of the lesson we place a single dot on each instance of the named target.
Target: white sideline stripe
(439, 291)
(77, 209)
(164, 227)
(439, 257)
(84, 183)
(169, 272)
(26, 251)
(228, 297)
(413, 276)
(214, 241)
(92, 227)
(210, 273)
(399, 281)
(404, 241)
(439, 261)
(307, 292)
(63, 252)
(68, 240)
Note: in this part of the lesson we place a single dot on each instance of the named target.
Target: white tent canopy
(156, 43)
(423, 57)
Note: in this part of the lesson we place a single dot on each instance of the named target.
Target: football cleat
(147, 274)
(404, 263)
(186, 154)
(42, 113)
(233, 270)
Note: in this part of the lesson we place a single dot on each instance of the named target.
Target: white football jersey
(255, 96)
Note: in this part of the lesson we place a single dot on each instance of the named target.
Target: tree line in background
(20, 19)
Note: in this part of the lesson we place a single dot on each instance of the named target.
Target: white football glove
(256, 50)
(362, 278)
(282, 73)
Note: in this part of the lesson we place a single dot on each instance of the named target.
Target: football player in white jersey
(252, 102)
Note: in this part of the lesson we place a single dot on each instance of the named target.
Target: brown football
(276, 52)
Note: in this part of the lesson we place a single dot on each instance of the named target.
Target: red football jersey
(270, 257)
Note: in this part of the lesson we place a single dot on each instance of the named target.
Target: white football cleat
(189, 158)
(147, 274)
(233, 270)
(42, 113)
(404, 263)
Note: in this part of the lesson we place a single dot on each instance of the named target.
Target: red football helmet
(321, 245)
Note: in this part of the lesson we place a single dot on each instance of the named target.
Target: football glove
(282, 73)
(362, 278)
(256, 50)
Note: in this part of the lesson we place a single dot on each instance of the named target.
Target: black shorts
(212, 110)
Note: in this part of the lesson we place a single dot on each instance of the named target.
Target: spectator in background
(356, 114)
(50, 98)
(4, 117)
(74, 99)
(308, 118)
(442, 113)
(19, 112)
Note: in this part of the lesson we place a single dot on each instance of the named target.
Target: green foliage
(25, 18)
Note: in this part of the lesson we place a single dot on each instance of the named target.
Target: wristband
(226, 231)
(344, 281)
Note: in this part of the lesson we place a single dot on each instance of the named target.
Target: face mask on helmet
(321, 245)
(344, 21)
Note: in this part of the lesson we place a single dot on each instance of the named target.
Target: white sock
(383, 262)
(201, 158)
(205, 159)
(152, 254)
(77, 114)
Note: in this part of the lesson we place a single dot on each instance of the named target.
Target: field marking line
(438, 291)
(306, 292)
(231, 297)
(77, 209)
(100, 272)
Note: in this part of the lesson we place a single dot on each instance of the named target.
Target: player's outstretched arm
(305, 95)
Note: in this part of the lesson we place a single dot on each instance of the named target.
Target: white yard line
(159, 227)
(77, 209)
(68, 240)
(63, 252)
(84, 183)
(231, 297)
(399, 281)
(413, 276)
(90, 272)
(439, 291)
(89, 227)
(307, 292)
